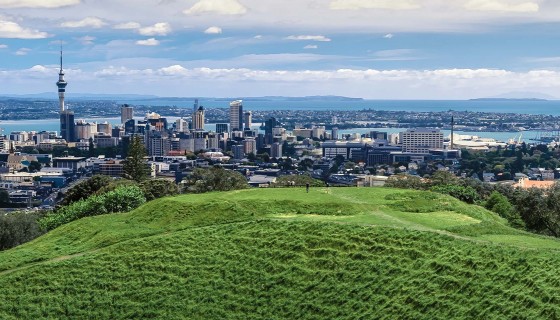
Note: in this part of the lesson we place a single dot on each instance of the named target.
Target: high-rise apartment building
(181, 125)
(236, 115)
(198, 119)
(250, 146)
(67, 126)
(127, 113)
(3, 143)
(268, 128)
(276, 150)
(421, 140)
(221, 127)
(247, 119)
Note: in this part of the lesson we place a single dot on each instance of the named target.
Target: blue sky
(380, 49)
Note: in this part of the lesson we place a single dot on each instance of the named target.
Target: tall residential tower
(236, 115)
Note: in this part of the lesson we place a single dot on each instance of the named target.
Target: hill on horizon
(345, 253)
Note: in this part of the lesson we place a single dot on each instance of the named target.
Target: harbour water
(548, 107)
(54, 125)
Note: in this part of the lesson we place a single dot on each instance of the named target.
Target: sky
(373, 49)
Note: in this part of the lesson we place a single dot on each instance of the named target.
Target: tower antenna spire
(61, 55)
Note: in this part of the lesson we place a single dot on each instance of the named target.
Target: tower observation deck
(61, 84)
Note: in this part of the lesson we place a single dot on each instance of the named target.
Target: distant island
(509, 99)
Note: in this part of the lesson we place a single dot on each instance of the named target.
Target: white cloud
(158, 29)
(309, 38)
(213, 30)
(22, 52)
(501, 5)
(39, 68)
(311, 46)
(37, 3)
(9, 29)
(127, 26)
(374, 4)
(395, 55)
(148, 42)
(3, 46)
(389, 36)
(173, 70)
(258, 36)
(171, 77)
(89, 22)
(86, 40)
(224, 7)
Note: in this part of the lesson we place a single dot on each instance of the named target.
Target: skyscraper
(247, 119)
(269, 126)
(127, 113)
(67, 126)
(66, 116)
(221, 127)
(236, 115)
(198, 119)
(421, 140)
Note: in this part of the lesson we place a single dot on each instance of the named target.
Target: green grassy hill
(284, 254)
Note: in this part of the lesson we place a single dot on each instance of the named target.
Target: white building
(127, 113)
(250, 146)
(236, 115)
(276, 150)
(421, 140)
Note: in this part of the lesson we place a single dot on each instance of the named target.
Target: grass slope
(285, 254)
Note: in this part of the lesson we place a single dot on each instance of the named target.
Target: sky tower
(61, 84)
(66, 116)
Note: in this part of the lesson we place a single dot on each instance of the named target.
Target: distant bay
(548, 107)
(54, 125)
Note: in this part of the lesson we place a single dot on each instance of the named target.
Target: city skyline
(376, 49)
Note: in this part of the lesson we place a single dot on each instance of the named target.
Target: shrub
(85, 189)
(158, 188)
(215, 179)
(121, 199)
(465, 194)
(405, 181)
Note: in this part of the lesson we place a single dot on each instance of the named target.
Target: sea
(546, 107)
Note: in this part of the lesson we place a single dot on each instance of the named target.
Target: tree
(305, 164)
(135, 167)
(34, 166)
(405, 181)
(18, 228)
(443, 178)
(4, 196)
(500, 205)
(158, 188)
(91, 148)
(215, 179)
(251, 157)
(85, 189)
(264, 156)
